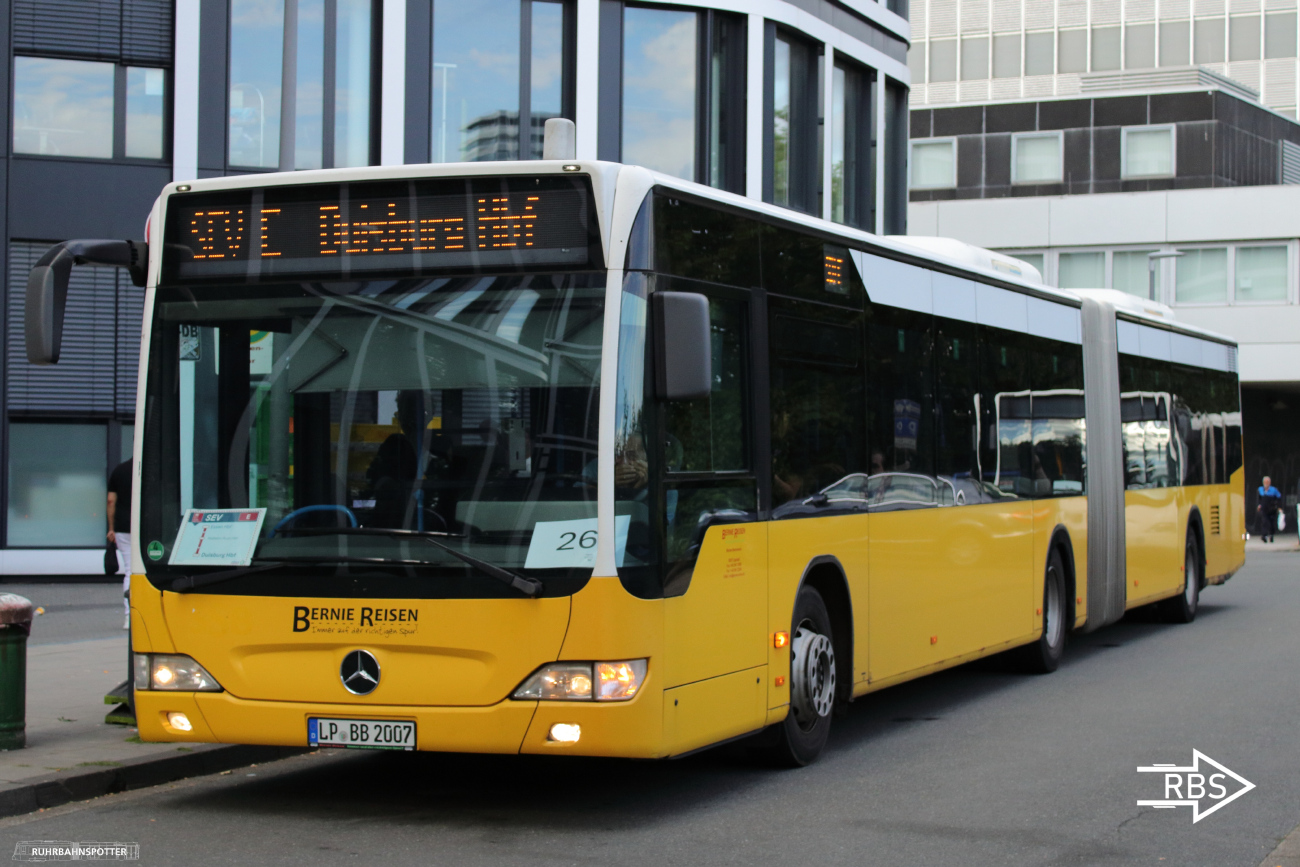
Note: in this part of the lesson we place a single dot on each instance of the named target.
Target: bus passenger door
(714, 552)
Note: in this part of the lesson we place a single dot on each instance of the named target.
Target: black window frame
(119, 156)
(804, 182)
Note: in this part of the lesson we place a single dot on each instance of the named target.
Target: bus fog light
(173, 671)
(619, 681)
(179, 721)
(560, 681)
(565, 733)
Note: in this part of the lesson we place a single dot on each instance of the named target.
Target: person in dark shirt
(119, 527)
(1270, 500)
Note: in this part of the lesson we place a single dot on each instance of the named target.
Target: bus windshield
(460, 408)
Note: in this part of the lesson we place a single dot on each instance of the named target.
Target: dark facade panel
(1175, 107)
(1011, 117)
(1195, 148)
(1120, 111)
(417, 143)
(1078, 155)
(963, 120)
(970, 161)
(1105, 153)
(213, 84)
(997, 161)
(920, 123)
(1065, 114)
(863, 29)
(114, 200)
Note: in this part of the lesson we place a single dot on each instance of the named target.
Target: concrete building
(801, 103)
(970, 51)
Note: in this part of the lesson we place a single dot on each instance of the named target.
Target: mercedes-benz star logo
(359, 672)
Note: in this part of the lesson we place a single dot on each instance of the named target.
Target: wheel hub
(812, 676)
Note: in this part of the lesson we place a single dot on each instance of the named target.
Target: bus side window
(956, 387)
(817, 409)
(1006, 441)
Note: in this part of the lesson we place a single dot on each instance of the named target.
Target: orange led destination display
(530, 222)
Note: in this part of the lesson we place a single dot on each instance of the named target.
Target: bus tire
(1182, 608)
(1044, 655)
(799, 739)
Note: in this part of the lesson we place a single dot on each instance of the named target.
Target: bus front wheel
(1044, 655)
(799, 738)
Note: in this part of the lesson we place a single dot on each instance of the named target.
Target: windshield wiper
(192, 582)
(530, 587)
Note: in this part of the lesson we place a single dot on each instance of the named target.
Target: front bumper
(632, 729)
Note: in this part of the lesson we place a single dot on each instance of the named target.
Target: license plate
(361, 734)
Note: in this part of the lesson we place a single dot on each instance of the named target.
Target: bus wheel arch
(826, 575)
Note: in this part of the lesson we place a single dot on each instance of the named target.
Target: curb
(54, 790)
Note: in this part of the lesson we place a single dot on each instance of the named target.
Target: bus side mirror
(683, 346)
(47, 288)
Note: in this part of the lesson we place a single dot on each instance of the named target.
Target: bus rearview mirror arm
(47, 288)
(683, 350)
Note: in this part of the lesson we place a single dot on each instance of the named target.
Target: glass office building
(802, 104)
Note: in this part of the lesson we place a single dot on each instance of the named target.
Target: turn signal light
(780, 680)
(780, 639)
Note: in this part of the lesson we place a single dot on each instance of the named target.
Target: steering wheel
(294, 515)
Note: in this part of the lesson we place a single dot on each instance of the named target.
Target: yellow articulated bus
(574, 458)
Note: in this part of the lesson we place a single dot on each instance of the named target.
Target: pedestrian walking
(119, 528)
(1270, 500)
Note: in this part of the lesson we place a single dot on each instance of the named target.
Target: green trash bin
(15, 626)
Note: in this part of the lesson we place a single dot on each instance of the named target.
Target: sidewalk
(73, 754)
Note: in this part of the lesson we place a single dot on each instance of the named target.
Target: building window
(57, 484)
(974, 58)
(1072, 50)
(1036, 158)
(1279, 35)
(852, 169)
(1261, 273)
(500, 71)
(1243, 37)
(683, 94)
(1208, 44)
(1039, 54)
(1081, 270)
(329, 122)
(1130, 272)
(1006, 56)
(1105, 48)
(1175, 43)
(943, 60)
(1202, 276)
(934, 164)
(1147, 151)
(72, 108)
(1139, 46)
(795, 122)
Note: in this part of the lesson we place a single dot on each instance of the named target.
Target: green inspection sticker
(155, 550)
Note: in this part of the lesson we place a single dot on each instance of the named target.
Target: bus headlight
(584, 681)
(172, 671)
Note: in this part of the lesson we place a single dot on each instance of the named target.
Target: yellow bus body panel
(946, 583)
(453, 652)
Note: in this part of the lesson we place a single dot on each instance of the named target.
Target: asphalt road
(74, 612)
(975, 766)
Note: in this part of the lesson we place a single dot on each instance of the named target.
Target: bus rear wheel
(1044, 655)
(1182, 608)
(799, 739)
